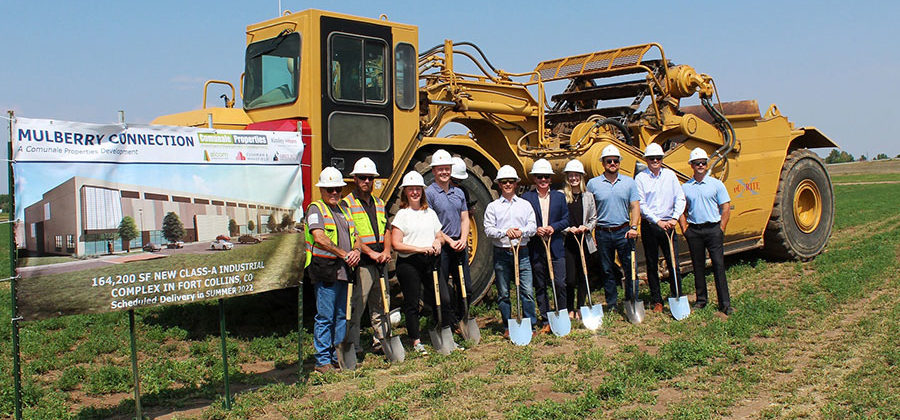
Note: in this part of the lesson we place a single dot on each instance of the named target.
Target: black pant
(653, 238)
(575, 274)
(414, 272)
(702, 238)
(449, 274)
(541, 276)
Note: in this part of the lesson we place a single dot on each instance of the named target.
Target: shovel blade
(628, 308)
(393, 349)
(520, 331)
(679, 307)
(592, 316)
(560, 323)
(346, 353)
(639, 311)
(470, 331)
(442, 340)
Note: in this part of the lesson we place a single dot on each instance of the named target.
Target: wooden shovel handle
(349, 299)
(462, 281)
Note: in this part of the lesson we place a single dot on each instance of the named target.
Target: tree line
(841, 157)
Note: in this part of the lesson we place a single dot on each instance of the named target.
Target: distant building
(82, 215)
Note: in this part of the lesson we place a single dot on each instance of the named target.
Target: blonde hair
(404, 201)
(570, 196)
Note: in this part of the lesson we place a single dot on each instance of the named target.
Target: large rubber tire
(481, 261)
(803, 214)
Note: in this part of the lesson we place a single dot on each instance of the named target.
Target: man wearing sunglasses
(332, 252)
(662, 202)
(509, 221)
(375, 244)
(552, 216)
(703, 223)
(618, 214)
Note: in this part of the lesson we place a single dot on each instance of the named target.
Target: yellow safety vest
(361, 218)
(330, 231)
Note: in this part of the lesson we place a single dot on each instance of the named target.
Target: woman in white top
(416, 236)
(582, 219)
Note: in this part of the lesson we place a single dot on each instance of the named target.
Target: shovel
(591, 315)
(634, 308)
(560, 323)
(679, 303)
(390, 344)
(467, 326)
(441, 337)
(519, 329)
(346, 350)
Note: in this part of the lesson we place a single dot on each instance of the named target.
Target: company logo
(211, 155)
(250, 139)
(214, 138)
(240, 156)
(751, 185)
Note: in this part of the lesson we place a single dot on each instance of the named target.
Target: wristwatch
(633, 227)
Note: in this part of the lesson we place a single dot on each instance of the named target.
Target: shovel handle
(546, 241)
(670, 234)
(587, 284)
(384, 297)
(515, 250)
(349, 299)
(634, 273)
(462, 282)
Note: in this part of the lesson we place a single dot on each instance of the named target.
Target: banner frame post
(224, 353)
(134, 367)
(300, 331)
(17, 367)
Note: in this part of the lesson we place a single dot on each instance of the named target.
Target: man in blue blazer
(552, 216)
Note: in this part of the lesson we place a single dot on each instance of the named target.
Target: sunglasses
(365, 177)
(699, 163)
(506, 181)
(654, 158)
(333, 190)
(611, 161)
(541, 176)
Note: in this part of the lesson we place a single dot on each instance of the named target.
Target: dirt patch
(870, 167)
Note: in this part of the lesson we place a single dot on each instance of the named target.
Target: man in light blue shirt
(618, 214)
(703, 224)
(509, 220)
(662, 202)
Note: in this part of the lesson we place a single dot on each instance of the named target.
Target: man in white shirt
(507, 220)
(662, 202)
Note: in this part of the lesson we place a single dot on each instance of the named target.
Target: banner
(122, 216)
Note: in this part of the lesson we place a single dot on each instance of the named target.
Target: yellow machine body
(511, 120)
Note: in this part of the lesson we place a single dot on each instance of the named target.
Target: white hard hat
(541, 167)
(698, 154)
(459, 168)
(412, 179)
(574, 165)
(364, 166)
(330, 177)
(441, 157)
(610, 151)
(506, 172)
(654, 149)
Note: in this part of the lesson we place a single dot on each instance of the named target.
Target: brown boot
(657, 307)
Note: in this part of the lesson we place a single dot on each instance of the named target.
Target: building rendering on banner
(81, 216)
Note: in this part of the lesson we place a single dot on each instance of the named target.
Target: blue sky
(827, 64)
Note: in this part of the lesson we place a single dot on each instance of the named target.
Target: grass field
(814, 340)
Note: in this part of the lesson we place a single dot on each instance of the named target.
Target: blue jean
(505, 270)
(608, 244)
(331, 321)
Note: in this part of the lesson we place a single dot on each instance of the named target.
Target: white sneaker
(458, 347)
(420, 348)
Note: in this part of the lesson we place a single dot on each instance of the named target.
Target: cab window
(272, 71)
(405, 77)
(357, 69)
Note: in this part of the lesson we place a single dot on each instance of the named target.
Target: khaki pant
(367, 291)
